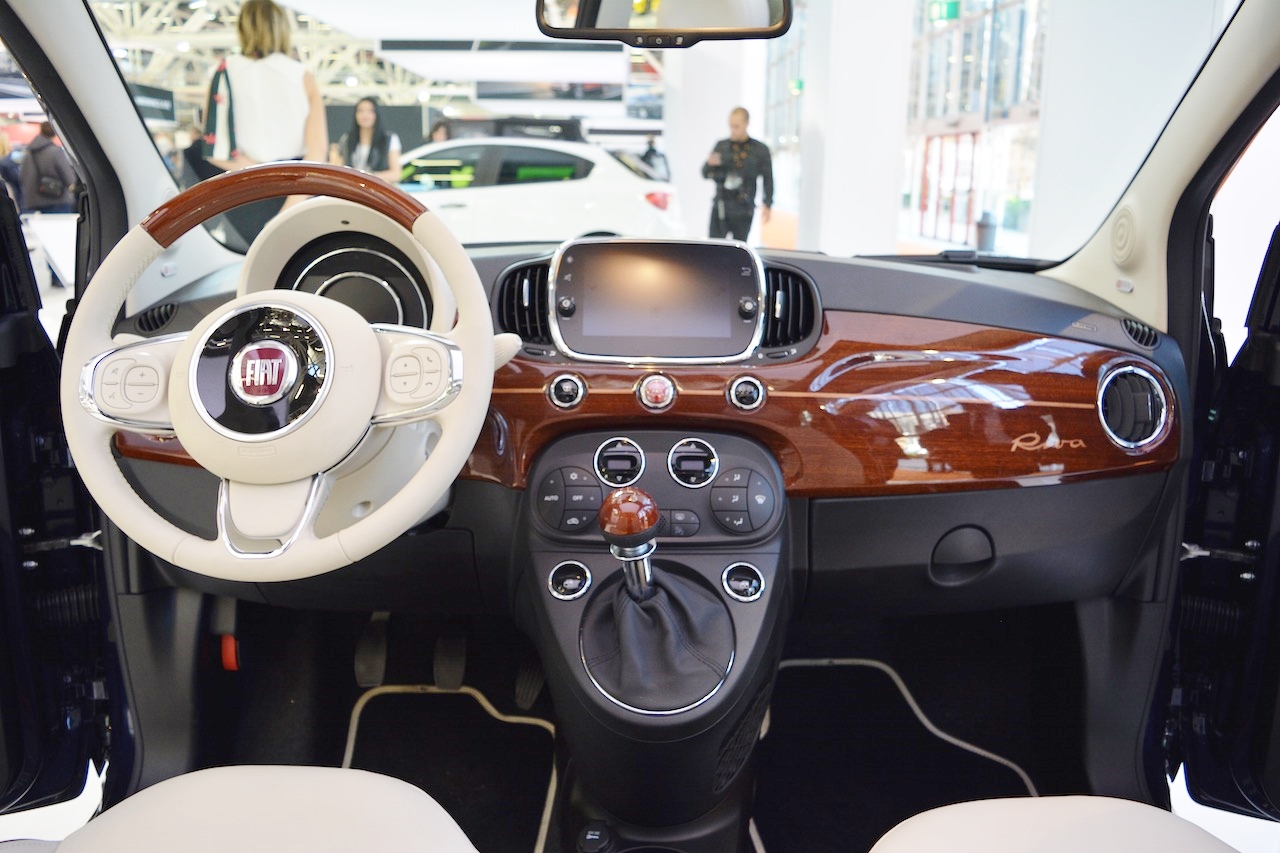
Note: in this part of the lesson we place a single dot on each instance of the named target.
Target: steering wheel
(275, 392)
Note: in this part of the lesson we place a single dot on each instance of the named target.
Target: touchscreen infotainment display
(655, 300)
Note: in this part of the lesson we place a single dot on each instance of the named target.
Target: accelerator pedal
(371, 651)
(449, 662)
(529, 682)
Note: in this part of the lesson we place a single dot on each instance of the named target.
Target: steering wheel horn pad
(319, 418)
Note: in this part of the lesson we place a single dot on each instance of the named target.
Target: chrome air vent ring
(1132, 407)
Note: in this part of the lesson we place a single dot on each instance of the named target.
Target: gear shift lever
(628, 519)
(659, 642)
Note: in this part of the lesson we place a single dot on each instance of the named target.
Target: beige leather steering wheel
(275, 391)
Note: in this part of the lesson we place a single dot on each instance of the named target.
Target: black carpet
(490, 776)
(845, 760)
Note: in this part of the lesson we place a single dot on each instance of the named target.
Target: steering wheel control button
(406, 375)
(746, 393)
(142, 385)
(260, 371)
(656, 392)
(760, 501)
(567, 391)
(109, 393)
(569, 580)
(619, 461)
(743, 582)
(415, 373)
(693, 463)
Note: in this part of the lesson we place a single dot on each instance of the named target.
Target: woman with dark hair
(368, 146)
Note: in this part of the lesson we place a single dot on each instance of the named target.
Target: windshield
(1005, 126)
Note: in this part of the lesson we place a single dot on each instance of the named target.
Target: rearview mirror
(663, 23)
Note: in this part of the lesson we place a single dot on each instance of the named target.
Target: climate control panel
(710, 487)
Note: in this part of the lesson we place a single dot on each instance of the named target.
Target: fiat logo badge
(263, 372)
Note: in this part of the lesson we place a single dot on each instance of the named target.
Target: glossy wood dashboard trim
(883, 405)
(219, 194)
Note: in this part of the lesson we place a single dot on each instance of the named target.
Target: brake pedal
(371, 651)
(529, 682)
(449, 662)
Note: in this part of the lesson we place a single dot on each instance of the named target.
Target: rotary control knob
(566, 391)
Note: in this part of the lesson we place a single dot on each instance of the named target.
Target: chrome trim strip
(90, 404)
(255, 438)
(746, 599)
(715, 463)
(320, 486)
(745, 380)
(586, 586)
(671, 713)
(1163, 401)
(452, 382)
(418, 290)
(327, 283)
(595, 462)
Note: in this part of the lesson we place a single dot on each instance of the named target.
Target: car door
(453, 182)
(1225, 663)
(53, 656)
(543, 193)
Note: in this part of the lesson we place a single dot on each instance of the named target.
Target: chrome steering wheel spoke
(128, 386)
(421, 374)
(258, 522)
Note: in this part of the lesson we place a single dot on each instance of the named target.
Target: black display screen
(657, 300)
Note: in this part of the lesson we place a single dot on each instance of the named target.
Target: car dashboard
(923, 438)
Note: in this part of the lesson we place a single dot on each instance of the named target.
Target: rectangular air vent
(790, 308)
(523, 306)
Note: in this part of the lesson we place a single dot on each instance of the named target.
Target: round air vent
(1132, 406)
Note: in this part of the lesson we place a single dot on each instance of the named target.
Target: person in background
(10, 171)
(441, 131)
(368, 146)
(270, 108)
(656, 160)
(737, 164)
(46, 177)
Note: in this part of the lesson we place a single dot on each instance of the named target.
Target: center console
(659, 605)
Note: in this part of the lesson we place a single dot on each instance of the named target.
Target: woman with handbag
(264, 105)
(46, 176)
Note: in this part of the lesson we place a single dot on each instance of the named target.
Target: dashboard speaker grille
(790, 308)
(522, 303)
(1132, 406)
(1140, 333)
(157, 317)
